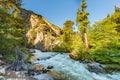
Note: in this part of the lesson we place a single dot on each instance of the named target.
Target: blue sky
(58, 11)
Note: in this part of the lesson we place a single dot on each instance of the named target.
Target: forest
(99, 42)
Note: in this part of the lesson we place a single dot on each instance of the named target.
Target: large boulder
(95, 67)
(42, 34)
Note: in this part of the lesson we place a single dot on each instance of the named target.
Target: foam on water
(74, 70)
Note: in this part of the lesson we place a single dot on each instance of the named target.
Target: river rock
(2, 70)
(18, 75)
(95, 67)
(36, 70)
(86, 61)
(2, 78)
(43, 77)
(38, 67)
(33, 58)
(1, 57)
(1, 62)
(31, 51)
(49, 67)
(30, 66)
(57, 75)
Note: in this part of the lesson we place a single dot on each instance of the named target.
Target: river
(72, 70)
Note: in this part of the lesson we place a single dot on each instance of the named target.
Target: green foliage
(66, 37)
(69, 24)
(82, 21)
(11, 30)
(82, 17)
(105, 40)
(79, 48)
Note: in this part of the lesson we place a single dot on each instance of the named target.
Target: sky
(58, 11)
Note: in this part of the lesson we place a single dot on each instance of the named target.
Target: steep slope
(42, 34)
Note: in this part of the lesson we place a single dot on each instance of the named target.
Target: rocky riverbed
(27, 71)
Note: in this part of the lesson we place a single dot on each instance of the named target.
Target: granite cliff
(41, 33)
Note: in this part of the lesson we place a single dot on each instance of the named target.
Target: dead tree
(19, 63)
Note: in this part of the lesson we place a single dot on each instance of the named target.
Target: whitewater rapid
(73, 70)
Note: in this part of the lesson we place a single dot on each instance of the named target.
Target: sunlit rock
(42, 34)
(38, 67)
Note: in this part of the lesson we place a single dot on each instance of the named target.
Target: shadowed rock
(95, 67)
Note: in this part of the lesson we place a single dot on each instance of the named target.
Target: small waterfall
(73, 70)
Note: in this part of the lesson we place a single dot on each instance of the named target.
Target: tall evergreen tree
(11, 27)
(67, 30)
(83, 22)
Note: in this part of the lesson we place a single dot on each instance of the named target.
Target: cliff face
(42, 34)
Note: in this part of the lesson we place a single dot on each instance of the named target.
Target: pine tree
(67, 30)
(83, 22)
(11, 27)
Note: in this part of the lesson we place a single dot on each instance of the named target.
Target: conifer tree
(11, 27)
(67, 30)
(83, 22)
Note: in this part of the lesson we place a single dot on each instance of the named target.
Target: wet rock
(43, 77)
(18, 75)
(32, 58)
(2, 78)
(38, 59)
(50, 67)
(1, 57)
(38, 67)
(31, 72)
(30, 66)
(86, 61)
(36, 70)
(95, 67)
(2, 70)
(1, 62)
(45, 70)
(57, 75)
(31, 51)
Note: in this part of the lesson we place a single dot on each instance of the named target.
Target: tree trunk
(84, 39)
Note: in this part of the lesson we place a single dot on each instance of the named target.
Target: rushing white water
(74, 70)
